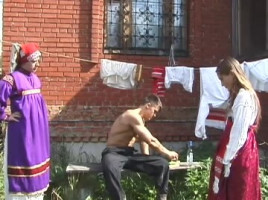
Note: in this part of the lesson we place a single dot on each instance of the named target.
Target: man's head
(154, 100)
(152, 105)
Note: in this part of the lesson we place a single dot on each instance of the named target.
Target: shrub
(191, 184)
(137, 186)
(264, 183)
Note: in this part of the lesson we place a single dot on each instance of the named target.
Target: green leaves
(264, 183)
(2, 181)
(138, 186)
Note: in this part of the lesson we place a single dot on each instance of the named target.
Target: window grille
(146, 26)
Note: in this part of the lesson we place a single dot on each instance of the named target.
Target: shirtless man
(127, 129)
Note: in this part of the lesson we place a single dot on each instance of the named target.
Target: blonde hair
(231, 65)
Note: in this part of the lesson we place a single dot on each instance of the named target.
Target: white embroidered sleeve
(244, 114)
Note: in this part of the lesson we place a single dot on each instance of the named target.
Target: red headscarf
(29, 53)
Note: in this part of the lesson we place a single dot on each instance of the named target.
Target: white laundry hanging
(257, 73)
(212, 95)
(180, 74)
(120, 75)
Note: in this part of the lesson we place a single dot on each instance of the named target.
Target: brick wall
(81, 107)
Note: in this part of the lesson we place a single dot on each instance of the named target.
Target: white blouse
(244, 113)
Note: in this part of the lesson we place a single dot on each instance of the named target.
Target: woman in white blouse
(235, 169)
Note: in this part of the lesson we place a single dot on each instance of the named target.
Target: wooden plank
(96, 167)
(185, 165)
(91, 167)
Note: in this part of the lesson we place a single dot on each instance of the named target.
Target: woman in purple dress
(27, 149)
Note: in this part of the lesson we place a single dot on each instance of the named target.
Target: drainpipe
(266, 25)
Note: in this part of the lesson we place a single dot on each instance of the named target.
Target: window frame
(148, 51)
(237, 43)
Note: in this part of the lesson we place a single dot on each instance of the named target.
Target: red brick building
(75, 35)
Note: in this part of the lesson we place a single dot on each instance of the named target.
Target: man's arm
(144, 148)
(154, 143)
(146, 136)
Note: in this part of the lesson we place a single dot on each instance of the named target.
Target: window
(250, 28)
(146, 27)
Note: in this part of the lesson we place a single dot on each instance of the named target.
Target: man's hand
(172, 155)
(15, 116)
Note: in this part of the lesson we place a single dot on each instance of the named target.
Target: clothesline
(56, 54)
(195, 68)
(81, 59)
(90, 61)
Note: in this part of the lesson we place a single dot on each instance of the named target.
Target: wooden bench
(97, 168)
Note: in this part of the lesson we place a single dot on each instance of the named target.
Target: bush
(264, 183)
(137, 186)
(193, 184)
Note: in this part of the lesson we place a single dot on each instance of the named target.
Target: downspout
(236, 50)
(266, 25)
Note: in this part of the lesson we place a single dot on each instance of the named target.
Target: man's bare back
(122, 133)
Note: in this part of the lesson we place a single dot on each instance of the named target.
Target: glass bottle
(190, 156)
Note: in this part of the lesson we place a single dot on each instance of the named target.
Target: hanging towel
(180, 74)
(257, 73)
(212, 95)
(216, 117)
(120, 75)
(158, 75)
